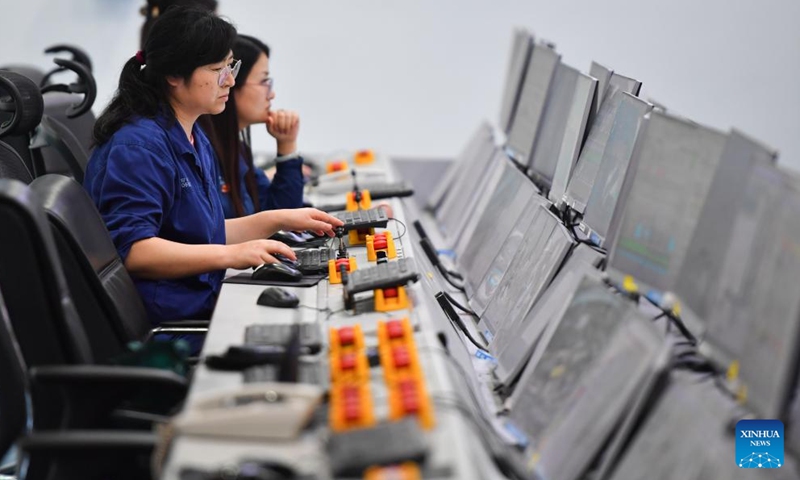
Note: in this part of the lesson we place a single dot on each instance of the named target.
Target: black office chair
(60, 455)
(51, 334)
(12, 165)
(21, 108)
(100, 286)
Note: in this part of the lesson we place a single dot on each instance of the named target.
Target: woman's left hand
(310, 219)
(284, 125)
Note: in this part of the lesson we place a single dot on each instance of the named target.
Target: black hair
(182, 39)
(154, 8)
(223, 129)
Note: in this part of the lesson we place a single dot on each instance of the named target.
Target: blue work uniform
(149, 181)
(285, 191)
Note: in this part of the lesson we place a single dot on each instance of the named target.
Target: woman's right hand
(257, 252)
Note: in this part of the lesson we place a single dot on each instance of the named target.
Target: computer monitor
(588, 368)
(626, 84)
(580, 185)
(573, 136)
(464, 164)
(479, 293)
(515, 338)
(530, 107)
(607, 192)
(521, 47)
(683, 435)
(735, 187)
(503, 210)
(603, 75)
(535, 263)
(472, 169)
(755, 320)
(626, 375)
(675, 163)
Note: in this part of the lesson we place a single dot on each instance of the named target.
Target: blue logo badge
(759, 444)
(185, 183)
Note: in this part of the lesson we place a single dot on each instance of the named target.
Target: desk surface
(456, 451)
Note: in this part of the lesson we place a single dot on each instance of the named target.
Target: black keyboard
(387, 275)
(314, 260)
(377, 192)
(278, 334)
(371, 218)
(307, 373)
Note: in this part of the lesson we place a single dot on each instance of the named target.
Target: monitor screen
(533, 267)
(574, 133)
(755, 319)
(627, 369)
(502, 212)
(580, 185)
(464, 164)
(472, 167)
(729, 192)
(626, 84)
(675, 163)
(684, 436)
(514, 339)
(481, 292)
(603, 75)
(607, 186)
(530, 107)
(569, 349)
(543, 162)
(521, 47)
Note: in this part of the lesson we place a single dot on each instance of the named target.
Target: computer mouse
(278, 297)
(277, 272)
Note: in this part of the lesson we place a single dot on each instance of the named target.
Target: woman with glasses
(153, 175)
(245, 189)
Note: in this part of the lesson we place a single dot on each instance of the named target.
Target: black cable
(459, 306)
(443, 271)
(405, 229)
(507, 465)
(455, 319)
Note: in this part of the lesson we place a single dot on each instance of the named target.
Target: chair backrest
(13, 385)
(61, 151)
(56, 105)
(12, 165)
(42, 315)
(103, 291)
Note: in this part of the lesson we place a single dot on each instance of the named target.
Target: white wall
(414, 77)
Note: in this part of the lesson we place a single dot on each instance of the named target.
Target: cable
(459, 306)
(405, 229)
(508, 465)
(443, 271)
(454, 318)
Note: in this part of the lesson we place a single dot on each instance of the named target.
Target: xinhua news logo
(759, 444)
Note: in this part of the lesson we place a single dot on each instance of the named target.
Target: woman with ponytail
(153, 175)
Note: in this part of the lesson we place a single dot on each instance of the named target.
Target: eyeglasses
(267, 82)
(227, 70)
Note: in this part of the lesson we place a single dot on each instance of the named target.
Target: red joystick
(343, 261)
(394, 329)
(401, 356)
(348, 361)
(379, 243)
(389, 293)
(347, 336)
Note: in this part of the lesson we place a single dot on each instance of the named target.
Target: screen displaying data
(521, 47)
(530, 107)
(677, 160)
(606, 193)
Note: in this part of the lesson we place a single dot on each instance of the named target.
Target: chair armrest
(186, 327)
(85, 396)
(88, 454)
